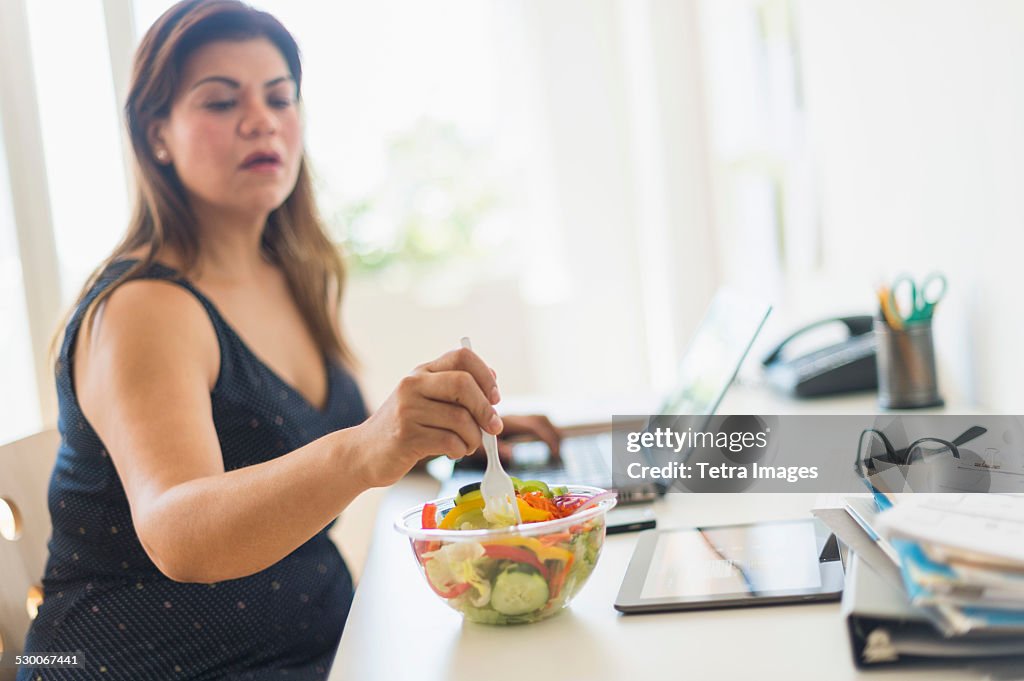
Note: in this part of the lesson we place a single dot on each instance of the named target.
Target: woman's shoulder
(163, 263)
(154, 298)
(152, 319)
(156, 293)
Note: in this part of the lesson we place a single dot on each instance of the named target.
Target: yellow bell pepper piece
(448, 522)
(529, 514)
(543, 551)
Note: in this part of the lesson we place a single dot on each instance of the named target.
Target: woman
(210, 429)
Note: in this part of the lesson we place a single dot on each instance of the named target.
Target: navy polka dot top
(104, 597)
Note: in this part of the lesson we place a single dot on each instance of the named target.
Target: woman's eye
(280, 103)
(222, 105)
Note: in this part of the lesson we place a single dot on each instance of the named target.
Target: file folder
(886, 630)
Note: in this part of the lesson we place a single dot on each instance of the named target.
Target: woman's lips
(262, 165)
(261, 161)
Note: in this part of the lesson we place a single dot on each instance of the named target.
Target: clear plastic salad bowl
(509, 575)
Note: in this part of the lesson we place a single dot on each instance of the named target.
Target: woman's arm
(143, 376)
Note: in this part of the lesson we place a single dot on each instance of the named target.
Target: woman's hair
(294, 237)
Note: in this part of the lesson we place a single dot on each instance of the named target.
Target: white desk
(398, 629)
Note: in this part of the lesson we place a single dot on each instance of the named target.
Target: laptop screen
(715, 353)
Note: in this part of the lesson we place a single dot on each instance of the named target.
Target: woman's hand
(438, 409)
(519, 429)
(532, 427)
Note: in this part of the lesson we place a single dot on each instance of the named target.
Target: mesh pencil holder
(906, 366)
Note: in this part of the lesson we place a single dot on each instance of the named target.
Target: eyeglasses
(875, 452)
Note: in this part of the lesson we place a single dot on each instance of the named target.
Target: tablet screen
(766, 563)
(739, 559)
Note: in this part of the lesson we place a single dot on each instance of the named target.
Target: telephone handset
(846, 366)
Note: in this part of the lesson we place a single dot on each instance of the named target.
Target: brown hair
(294, 237)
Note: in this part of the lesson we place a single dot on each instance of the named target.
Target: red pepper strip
(429, 519)
(456, 590)
(519, 555)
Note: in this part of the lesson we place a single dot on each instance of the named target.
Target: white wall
(916, 117)
(619, 112)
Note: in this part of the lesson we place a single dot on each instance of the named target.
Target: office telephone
(842, 367)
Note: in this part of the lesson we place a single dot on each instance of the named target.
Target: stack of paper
(934, 579)
(963, 556)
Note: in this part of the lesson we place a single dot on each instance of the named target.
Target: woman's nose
(257, 119)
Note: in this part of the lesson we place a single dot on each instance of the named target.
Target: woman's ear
(155, 137)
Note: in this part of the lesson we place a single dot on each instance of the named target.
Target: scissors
(923, 298)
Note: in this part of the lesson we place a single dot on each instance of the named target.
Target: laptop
(707, 369)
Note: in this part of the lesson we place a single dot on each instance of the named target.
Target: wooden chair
(25, 467)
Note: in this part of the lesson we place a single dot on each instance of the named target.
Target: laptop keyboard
(586, 460)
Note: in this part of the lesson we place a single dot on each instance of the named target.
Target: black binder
(885, 629)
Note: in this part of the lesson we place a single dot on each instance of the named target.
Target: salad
(513, 578)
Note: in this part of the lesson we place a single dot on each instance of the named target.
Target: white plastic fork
(496, 488)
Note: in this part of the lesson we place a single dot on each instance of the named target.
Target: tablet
(795, 561)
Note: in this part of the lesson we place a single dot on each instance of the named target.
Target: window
(81, 126)
(19, 408)
(758, 141)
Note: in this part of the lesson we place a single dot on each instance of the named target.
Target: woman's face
(233, 134)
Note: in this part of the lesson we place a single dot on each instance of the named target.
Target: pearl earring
(161, 154)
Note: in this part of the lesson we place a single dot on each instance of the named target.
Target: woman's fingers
(460, 388)
(444, 416)
(538, 426)
(532, 427)
(447, 442)
(468, 361)
(439, 408)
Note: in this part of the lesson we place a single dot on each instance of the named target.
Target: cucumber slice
(468, 496)
(559, 490)
(516, 482)
(517, 593)
(466, 489)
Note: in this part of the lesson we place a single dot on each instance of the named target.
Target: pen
(885, 307)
